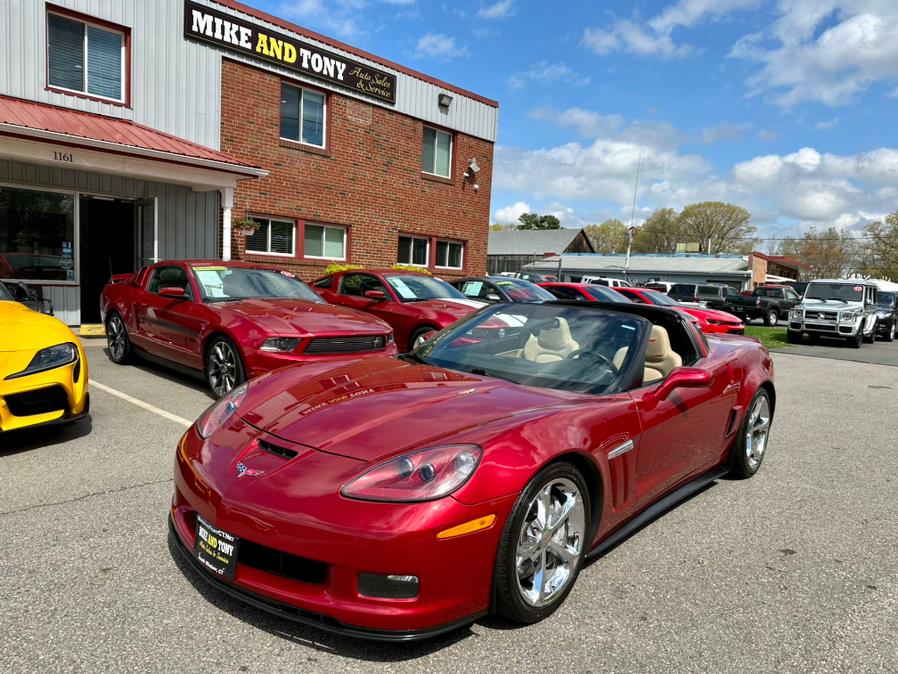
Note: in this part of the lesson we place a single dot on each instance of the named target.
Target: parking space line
(186, 423)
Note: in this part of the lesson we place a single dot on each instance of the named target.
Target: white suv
(604, 281)
(843, 308)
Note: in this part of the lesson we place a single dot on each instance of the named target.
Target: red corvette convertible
(398, 498)
(415, 305)
(711, 321)
(231, 320)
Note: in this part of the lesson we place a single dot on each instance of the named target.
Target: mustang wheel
(751, 445)
(772, 318)
(542, 547)
(420, 336)
(224, 369)
(117, 339)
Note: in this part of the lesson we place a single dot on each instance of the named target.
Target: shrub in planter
(410, 267)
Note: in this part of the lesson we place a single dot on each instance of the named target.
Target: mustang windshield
(416, 287)
(839, 292)
(572, 348)
(220, 283)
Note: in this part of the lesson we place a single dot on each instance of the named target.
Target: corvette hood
(370, 409)
(300, 317)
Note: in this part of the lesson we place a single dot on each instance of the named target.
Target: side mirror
(492, 297)
(683, 377)
(375, 295)
(174, 292)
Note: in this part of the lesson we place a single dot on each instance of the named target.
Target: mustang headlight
(49, 359)
(422, 475)
(216, 416)
(280, 344)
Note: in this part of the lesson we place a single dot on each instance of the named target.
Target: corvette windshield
(220, 283)
(838, 292)
(417, 287)
(572, 348)
(524, 291)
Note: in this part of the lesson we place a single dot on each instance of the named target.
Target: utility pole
(632, 229)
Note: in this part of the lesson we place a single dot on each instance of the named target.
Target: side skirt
(658, 508)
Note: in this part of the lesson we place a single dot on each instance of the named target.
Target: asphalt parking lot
(880, 353)
(794, 570)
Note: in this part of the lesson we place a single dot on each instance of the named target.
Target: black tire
(223, 366)
(510, 598)
(419, 333)
(856, 341)
(771, 318)
(118, 344)
(744, 459)
(869, 339)
(793, 336)
(813, 338)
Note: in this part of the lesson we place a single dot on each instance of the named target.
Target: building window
(325, 242)
(436, 154)
(85, 57)
(274, 237)
(302, 115)
(37, 235)
(450, 254)
(414, 250)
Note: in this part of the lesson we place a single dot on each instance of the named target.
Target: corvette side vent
(731, 424)
(282, 452)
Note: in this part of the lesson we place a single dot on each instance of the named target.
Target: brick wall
(368, 178)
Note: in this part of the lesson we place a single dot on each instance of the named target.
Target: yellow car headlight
(49, 359)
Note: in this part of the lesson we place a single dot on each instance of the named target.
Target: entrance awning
(49, 134)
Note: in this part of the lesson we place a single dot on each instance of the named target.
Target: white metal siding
(175, 82)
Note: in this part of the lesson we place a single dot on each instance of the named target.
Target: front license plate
(216, 549)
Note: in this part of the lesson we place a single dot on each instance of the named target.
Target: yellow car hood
(22, 329)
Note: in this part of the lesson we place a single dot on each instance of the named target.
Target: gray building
(110, 131)
(511, 250)
(732, 270)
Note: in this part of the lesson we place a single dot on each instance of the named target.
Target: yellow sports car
(43, 371)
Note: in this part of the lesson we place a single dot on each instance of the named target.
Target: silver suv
(843, 308)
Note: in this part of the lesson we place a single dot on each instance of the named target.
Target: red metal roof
(92, 127)
(277, 21)
(782, 259)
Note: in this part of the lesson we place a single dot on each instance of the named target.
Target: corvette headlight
(49, 359)
(422, 475)
(216, 416)
(280, 344)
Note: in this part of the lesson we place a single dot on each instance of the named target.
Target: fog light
(388, 587)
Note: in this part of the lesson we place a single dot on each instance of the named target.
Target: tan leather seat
(620, 356)
(550, 344)
(660, 359)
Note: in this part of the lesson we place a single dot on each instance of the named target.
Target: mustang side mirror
(683, 377)
(174, 292)
(492, 297)
(375, 294)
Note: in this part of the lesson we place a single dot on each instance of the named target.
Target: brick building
(134, 131)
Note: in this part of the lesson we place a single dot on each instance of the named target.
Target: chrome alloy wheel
(757, 430)
(115, 337)
(550, 542)
(222, 368)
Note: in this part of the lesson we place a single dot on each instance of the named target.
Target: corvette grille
(353, 344)
(41, 401)
(281, 563)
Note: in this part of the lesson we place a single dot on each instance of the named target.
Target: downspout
(227, 203)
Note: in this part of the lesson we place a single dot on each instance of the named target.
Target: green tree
(879, 258)
(609, 237)
(725, 226)
(832, 253)
(535, 221)
(660, 233)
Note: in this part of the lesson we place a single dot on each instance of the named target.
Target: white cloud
(824, 51)
(438, 46)
(826, 124)
(498, 10)
(510, 214)
(336, 17)
(544, 72)
(591, 124)
(725, 131)
(654, 37)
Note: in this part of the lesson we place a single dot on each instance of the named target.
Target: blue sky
(786, 107)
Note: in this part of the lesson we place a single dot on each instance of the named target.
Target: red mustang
(415, 305)
(398, 498)
(711, 321)
(231, 320)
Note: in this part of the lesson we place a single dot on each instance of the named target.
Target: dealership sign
(229, 32)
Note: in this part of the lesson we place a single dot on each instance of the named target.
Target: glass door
(147, 239)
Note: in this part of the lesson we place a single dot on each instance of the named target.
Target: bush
(335, 267)
(410, 267)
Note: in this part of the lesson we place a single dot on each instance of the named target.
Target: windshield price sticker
(288, 274)
(858, 289)
(210, 279)
(473, 287)
(404, 291)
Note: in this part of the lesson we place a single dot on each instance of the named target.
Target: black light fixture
(444, 101)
